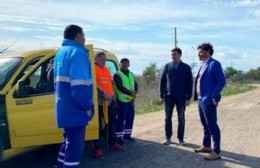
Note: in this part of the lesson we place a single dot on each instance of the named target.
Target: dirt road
(239, 121)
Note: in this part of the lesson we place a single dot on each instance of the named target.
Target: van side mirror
(22, 90)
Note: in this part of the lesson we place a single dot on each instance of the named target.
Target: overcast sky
(141, 30)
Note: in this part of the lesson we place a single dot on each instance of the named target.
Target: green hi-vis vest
(129, 83)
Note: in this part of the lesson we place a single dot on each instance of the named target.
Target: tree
(230, 72)
(253, 74)
(151, 72)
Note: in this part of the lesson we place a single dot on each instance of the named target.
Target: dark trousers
(110, 128)
(208, 118)
(125, 120)
(170, 102)
(72, 147)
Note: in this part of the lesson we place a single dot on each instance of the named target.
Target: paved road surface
(239, 120)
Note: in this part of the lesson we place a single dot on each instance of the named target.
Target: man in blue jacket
(209, 83)
(73, 94)
(176, 90)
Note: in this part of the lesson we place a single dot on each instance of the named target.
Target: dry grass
(148, 96)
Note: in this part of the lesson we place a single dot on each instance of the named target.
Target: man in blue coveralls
(73, 94)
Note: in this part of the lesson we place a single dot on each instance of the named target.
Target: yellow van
(27, 105)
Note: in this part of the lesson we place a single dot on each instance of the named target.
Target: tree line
(149, 80)
(152, 72)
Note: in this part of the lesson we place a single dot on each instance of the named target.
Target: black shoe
(130, 139)
(120, 142)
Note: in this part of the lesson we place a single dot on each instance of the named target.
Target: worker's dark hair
(178, 50)
(124, 60)
(71, 31)
(206, 47)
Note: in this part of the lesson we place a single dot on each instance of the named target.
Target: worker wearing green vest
(125, 89)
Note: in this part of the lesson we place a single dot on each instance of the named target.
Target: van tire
(1, 150)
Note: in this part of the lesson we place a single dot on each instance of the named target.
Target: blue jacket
(73, 85)
(211, 83)
(176, 82)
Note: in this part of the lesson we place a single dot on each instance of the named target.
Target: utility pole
(193, 64)
(175, 39)
(192, 54)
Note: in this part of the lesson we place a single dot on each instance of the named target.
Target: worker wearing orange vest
(105, 94)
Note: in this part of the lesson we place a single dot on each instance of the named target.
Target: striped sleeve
(81, 80)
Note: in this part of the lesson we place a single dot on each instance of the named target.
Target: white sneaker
(182, 143)
(167, 141)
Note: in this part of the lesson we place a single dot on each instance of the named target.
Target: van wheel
(1, 150)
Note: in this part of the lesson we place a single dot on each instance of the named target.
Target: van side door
(31, 114)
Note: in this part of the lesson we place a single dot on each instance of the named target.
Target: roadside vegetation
(233, 89)
(148, 95)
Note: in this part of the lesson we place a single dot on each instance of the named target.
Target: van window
(112, 66)
(7, 68)
(41, 80)
(26, 69)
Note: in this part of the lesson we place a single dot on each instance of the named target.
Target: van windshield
(7, 68)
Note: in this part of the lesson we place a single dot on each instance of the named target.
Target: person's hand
(110, 97)
(161, 100)
(107, 97)
(89, 112)
(133, 94)
(214, 102)
(187, 102)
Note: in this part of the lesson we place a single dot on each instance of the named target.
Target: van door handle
(2, 124)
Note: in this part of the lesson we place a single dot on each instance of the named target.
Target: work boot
(129, 139)
(203, 149)
(213, 156)
(120, 141)
(97, 153)
(117, 148)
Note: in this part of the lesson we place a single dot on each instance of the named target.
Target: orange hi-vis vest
(104, 79)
